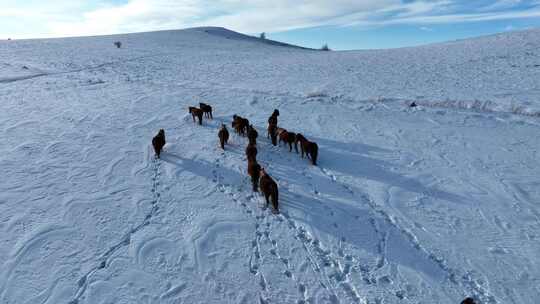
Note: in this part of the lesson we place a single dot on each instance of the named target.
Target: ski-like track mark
(322, 258)
(125, 241)
(261, 222)
(466, 280)
(6, 80)
(301, 287)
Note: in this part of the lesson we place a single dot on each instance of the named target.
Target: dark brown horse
(254, 172)
(252, 135)
(196, 112)
(311, 149)
(158, 142)
(251, 152)
(269, 189)
(272, 133)
(240, 124)
(272, 120)
(207, 109)
(288, 138)
(223, 135)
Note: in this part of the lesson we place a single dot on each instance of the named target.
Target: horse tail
(314, 154)
(275, 198)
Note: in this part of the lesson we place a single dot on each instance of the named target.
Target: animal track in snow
(102, 263)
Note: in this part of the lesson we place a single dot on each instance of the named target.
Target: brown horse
(311, 149)
(269, 189)
(240, 124)
(272, 133)
(223, 135)
(252, 135)
(288, 138)
(158, 142)
(196, 112)
(207, 109)
(272, 120)
(254, 172)
(251, 152)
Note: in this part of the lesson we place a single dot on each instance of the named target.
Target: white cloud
(502, 4)
(78, 17)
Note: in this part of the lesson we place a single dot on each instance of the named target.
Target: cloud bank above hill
(73, 18)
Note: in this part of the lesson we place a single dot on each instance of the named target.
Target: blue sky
(343, 24)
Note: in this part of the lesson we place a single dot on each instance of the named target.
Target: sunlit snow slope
(408, 205)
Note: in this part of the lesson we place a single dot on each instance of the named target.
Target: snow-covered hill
(407, 205)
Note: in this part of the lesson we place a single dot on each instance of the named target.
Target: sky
(342, 24)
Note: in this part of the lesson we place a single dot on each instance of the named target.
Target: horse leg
(275, 203)
(254, 182)
(290, 147)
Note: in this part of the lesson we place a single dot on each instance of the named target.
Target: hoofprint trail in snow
(424, 205)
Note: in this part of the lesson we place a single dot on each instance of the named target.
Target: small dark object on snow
(413, 105)
(207, 109)
(468, 301)
(158, 142)
(269, 189)
(118, 44)
(196, 112)
(223, 135)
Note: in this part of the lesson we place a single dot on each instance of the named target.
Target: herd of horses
(260, 179)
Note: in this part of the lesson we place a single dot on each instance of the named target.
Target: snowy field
(408, 205)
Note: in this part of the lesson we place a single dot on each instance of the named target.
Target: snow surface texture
(423, 205)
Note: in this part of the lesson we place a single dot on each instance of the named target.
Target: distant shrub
(118, 44)
(325, 47)
(262, 35)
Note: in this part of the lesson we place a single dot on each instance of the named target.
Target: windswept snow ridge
(408, 205)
